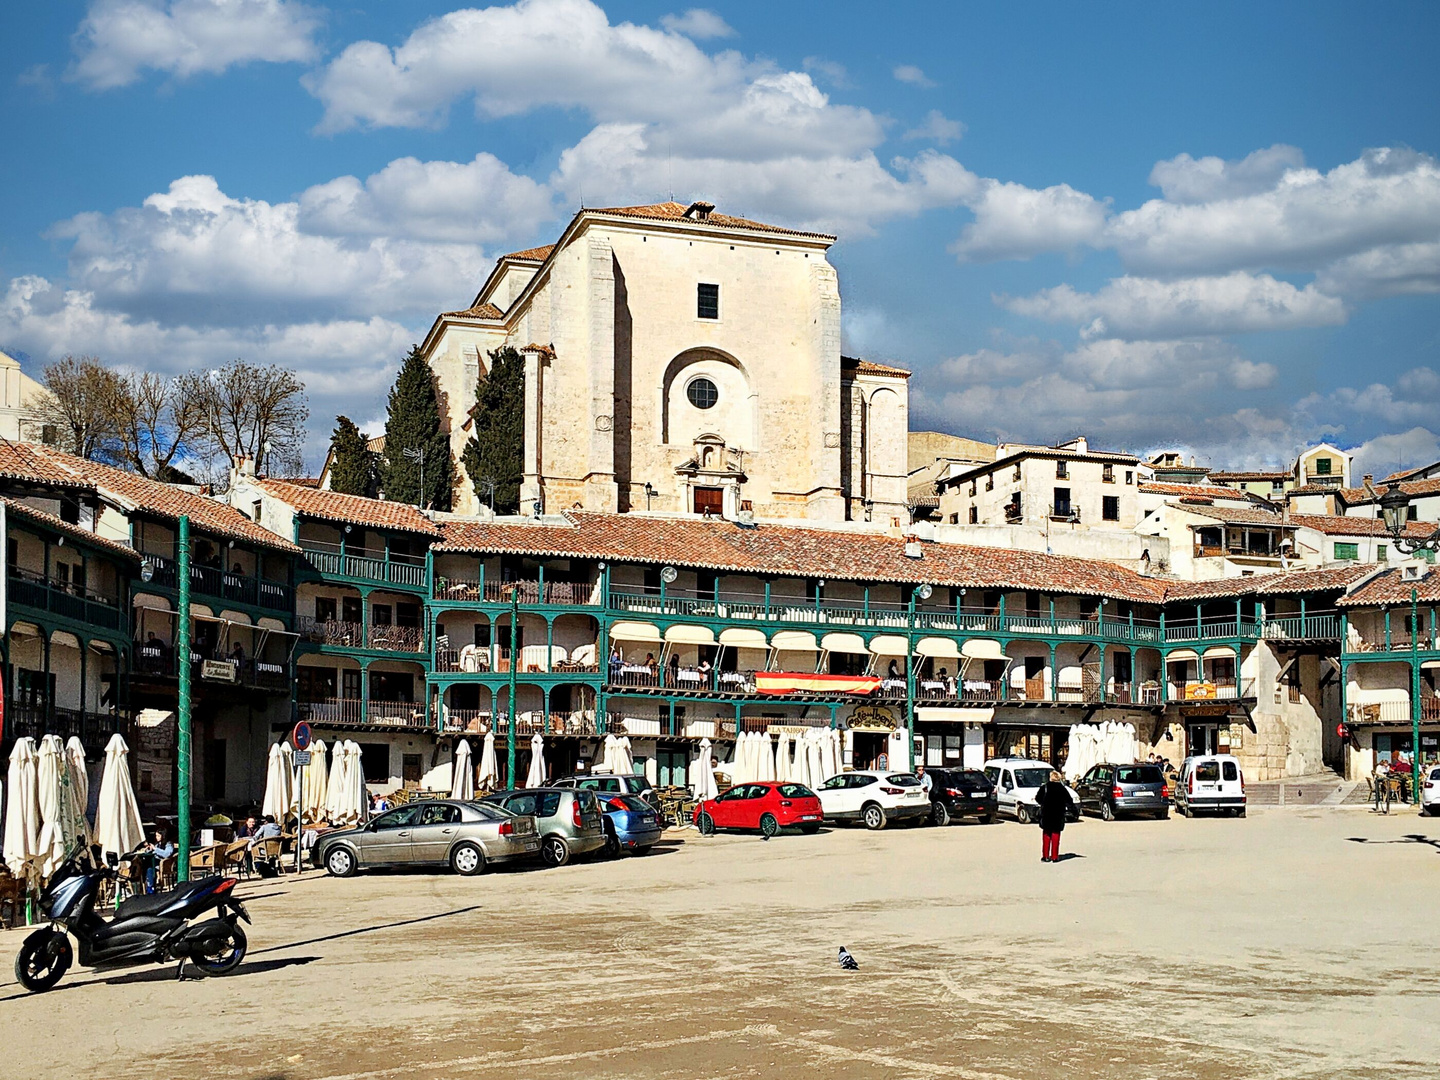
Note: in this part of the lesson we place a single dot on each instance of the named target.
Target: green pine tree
(412, 422)
(352, 464)
(496, 451)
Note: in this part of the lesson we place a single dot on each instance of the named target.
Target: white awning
(1430, 665)
(795, 641)
(983, 649)
(889, 645)
(1215, 651)
(740, 638)
(930, 714)
(938, 647)
(635, 631)
(843, 643)
(1183, 654)
(689, 635)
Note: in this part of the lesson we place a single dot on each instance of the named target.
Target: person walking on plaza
(1054, 801)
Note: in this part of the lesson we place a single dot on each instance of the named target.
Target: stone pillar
(530, 486)
(600, 490)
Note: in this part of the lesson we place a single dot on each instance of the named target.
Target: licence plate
(977, 794)
(808, 817)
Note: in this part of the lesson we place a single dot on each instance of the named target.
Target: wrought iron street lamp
(1394, 510)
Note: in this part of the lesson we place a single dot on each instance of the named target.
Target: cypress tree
(496, 450)
(412, 422)
(352, 465)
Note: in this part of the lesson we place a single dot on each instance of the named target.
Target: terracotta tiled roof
(674, 211)
(1278, 583)
(543, 350)
(18, 509)
(21, 461)
(869, 367)
(801, 552)
(479, 311)
(1233, 515)
(1413, 488)
(535, 254)
(1193, 491)
(1249, 477)
(1391, 587)
(351, 509)
(167, 500)
(1337, 525)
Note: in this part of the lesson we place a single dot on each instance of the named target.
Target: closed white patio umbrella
(536, 776)
(79, 781)
(782, 757)
(704, 775)
(118, 828)
(279, 783)
(317, 780)
(62, 823)
(624, 764)
(489, 767)
(22, 809)
(334, 783)
(347, 802)
(462, 773)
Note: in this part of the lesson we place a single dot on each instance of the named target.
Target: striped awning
(791, 682)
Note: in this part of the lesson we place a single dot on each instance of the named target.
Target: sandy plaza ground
(1295, 943)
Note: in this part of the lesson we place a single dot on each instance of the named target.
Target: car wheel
(1185, 811)
(1164, 815)
(339, 861)
(940, 814)
(43, 960)
(706, 824)
(1240, 812)
(768, 825)
(467, 860)
(873, 816)
(611, 850)
(810, 830)
(987, 819)
(554, 851)
(1107, 811)
(1022, 815)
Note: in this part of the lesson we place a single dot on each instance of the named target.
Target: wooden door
(710, 500)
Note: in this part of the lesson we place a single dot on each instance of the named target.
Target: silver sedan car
(466, 836)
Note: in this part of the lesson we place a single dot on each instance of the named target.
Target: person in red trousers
(1053, 799)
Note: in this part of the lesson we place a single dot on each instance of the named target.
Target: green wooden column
(182, 714)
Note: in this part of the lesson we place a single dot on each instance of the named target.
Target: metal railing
(1312, 625)
(331, 711)
(63, 598)
(93, 729)
(473, 590)
(397, 713)
(386, 638)
(395, 570)
(227, 585)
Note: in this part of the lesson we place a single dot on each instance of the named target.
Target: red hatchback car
(769, 807)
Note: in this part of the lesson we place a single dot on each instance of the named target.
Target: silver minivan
(1210, 782)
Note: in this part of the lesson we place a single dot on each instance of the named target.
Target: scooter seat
(152, 903)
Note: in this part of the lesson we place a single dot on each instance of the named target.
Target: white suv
(873, 797)
(1210, 782)
(1016, 781)
(1430, 790)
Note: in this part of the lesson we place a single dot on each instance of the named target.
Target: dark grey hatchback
(1112, 790)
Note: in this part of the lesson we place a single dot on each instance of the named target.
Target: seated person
(156, 850)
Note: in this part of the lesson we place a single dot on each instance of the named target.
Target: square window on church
(707, 301)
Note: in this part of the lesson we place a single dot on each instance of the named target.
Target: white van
(1016, 781)
(1210, 782)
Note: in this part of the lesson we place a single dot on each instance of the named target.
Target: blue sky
(1212, 226)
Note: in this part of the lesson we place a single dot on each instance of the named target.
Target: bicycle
(1382, 795)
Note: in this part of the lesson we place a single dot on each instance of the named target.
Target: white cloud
(1386, 454)
(1306, 220)
(1390, 270)
(623, 163)
(831, 71)
(479, 201)
(119, 39)
(1185, 179)
(937, 128)
(1016, 222)
(1134, 307)
(697, 23)
(909, 73)
(194, 255)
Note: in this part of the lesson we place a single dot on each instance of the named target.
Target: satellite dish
(668, 575)
(147, 570)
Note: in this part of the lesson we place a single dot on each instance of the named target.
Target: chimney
(699, 210)
(1369, 480)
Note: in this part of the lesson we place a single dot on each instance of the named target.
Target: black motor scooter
(146, 929)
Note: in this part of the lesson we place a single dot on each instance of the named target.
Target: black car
(956, 793)
(1111, 790)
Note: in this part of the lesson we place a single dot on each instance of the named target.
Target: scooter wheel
(226, 959)
(43, 960)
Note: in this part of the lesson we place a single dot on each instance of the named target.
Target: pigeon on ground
(848, 962)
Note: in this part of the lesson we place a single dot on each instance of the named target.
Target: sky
(1211, 227)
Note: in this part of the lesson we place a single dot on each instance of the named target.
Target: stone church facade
(684, 361)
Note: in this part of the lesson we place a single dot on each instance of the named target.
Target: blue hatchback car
(631, 824)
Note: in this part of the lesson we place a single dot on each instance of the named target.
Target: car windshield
(835, 782)
(1207, 770)
(1138, 774)
(796, 791)
(1031, 777)
(904, 780)
(1435, 774)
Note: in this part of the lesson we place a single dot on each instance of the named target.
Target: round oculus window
(702, 393)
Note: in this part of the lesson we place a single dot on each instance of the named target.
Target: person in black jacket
(1054, 802)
